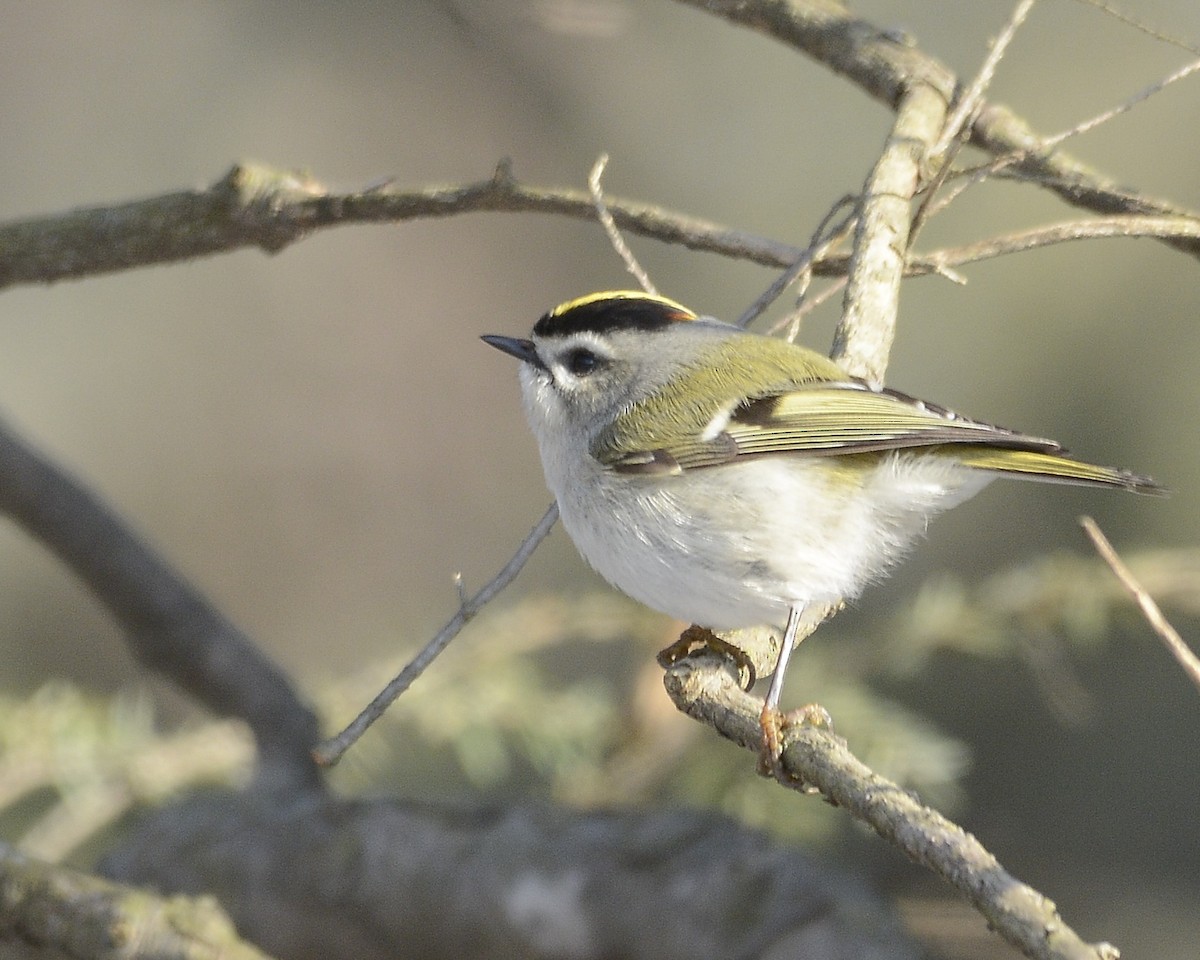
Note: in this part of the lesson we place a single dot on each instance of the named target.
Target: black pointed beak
(523, 350)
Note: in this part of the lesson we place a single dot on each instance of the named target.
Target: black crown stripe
(604, 313)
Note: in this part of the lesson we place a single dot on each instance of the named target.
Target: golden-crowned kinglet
(731, 479)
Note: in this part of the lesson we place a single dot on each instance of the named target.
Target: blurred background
(320, 442)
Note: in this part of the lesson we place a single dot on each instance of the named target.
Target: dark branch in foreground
(705, 688)
(373, 880)
(169, 625)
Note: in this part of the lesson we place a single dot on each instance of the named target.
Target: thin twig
(972, 97)
(957, 129)
(1109, 227)
(1150, 610)
(328, 752)
(610, 227)
(793, 318)
(823, 239)
(939, 198)
(1083, 126)
(1002, 164)
(1141, 25)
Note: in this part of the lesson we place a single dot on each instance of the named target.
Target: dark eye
(582, 361)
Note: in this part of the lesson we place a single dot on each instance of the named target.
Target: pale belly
(698, 548)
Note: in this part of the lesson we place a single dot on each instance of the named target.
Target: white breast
(736, 545)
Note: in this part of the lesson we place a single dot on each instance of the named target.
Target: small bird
(730, 479)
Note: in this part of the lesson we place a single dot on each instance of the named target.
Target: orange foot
(701, 638)
(773, 723)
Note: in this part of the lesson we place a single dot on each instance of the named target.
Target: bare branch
(886, 67)
(330, 751)
(258, 206)
(1150, 610)
(169, 625)
(61, 912)
(941, 261)
(940, 159)
(1109, 227)
(1142, 26)
(610, 227)
(864, 334)
(178, 227)
(1000, 131)
(810, 303)
(828, 236)
(378, 879)
(705, 687)
(972, 97)
(1142, 95)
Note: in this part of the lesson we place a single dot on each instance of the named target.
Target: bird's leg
(785, 653)
(771, 720)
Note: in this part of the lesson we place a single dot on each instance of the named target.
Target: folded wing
(842, 418)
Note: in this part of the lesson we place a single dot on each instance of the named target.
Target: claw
(770, 754)
(774, 723)
(701, 638)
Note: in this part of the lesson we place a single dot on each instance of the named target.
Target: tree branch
(169, 625)
(1032, 239)
(327, 877)
(886, 67)
(705, 687)
(864, 334)
(258, 206)
(59, 911)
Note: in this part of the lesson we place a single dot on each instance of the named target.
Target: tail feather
(1052, 468)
